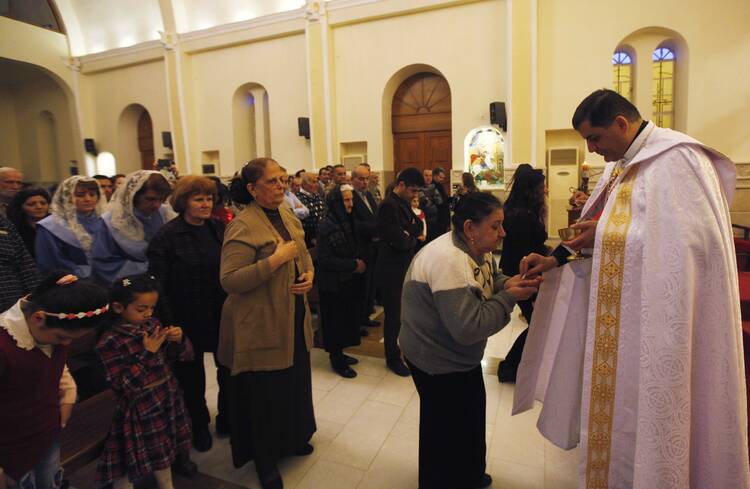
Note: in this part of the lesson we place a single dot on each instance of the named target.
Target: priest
(658, 382)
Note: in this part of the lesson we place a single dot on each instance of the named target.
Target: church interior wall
(465, 43)
(9, 154)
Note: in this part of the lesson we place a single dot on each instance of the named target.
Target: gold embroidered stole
(606, 335)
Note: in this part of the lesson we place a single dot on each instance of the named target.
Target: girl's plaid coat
(150, 424)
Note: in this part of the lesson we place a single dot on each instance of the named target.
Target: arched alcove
(135, 149)
(389, 91)
(250, 123)
(47, 147)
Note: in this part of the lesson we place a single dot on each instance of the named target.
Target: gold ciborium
(566, 234)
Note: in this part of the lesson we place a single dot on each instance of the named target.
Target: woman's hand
(535, 264)
(361, 267)
(174, 334)
(522, 288)
(65, 411)
(153, 341)
(285, 251)
(304, 285)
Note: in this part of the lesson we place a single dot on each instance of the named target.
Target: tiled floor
(367, 434)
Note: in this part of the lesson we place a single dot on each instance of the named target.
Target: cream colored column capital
(169, 41)
(73, 63)
(314, 10)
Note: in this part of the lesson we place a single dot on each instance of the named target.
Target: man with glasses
(11, 181)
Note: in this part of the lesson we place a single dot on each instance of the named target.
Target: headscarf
(121, 205)
(63, 207)
(342, 240)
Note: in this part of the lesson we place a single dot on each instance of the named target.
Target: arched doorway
(146, 141)
(421, 123)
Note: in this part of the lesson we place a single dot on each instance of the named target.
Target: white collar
(638, 143)
(14, 322)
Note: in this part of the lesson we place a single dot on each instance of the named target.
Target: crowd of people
(161, 270)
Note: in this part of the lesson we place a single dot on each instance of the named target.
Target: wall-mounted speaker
(90, 147)
(497, 115)
(166, 139)
(303, 125)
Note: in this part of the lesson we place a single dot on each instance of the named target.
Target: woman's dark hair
(474, 207)
(467, 179)
(76, 297)
(524, 194)
(156, 183)
(90, 186)
(15, 209)
(222, 193)
(250, 173)
(125, 290)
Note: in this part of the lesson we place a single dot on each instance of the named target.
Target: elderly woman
(185, 255)
(27, 208)
(338, 263)
(265, 336)
(448, 313)
(65, 239)
(135, 214)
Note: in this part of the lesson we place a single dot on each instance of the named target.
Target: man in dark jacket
(443, 220)
(366, 218)
(399, 231)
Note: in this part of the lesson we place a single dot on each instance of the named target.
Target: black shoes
(271, 480)
(306, 449)
(506, 373)
(184, 466)
(485, 481)
(202, 440)
(350, 360)
(398, 368)
(344, 370)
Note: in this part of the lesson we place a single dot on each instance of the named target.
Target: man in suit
(365, 215)
(399, 230)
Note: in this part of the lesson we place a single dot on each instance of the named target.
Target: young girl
(420, 215)
(36, 390)
(150, 430)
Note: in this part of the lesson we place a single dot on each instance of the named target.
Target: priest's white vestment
(637, 352)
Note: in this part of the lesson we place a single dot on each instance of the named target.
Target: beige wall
(465, 43)
(109, 93)
(9, 155)
(279, 66)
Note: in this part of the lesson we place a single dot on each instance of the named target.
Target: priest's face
(611, 142)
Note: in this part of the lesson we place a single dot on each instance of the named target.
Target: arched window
(663, 87)
(622, 69)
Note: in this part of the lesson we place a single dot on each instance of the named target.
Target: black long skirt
(271, 412)
(339, 316)
(452, 424)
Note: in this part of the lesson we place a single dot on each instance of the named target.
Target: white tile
(324, 378)
(508, 475)
(329, 475)
(560, 467)
(515, 438)
(343, 401)
(395, 466)
(318, 395)
(394, 389)
(371, 366)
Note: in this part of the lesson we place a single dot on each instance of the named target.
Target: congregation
(156, 270)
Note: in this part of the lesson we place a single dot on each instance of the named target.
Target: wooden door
(146, 141)
(421, 118)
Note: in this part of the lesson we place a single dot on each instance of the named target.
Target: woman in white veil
(134, 215)
(65, 238)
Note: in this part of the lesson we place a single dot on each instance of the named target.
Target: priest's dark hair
(474, 207)
(250, 173)
(79, 296)
(602, 107)
(411, 177)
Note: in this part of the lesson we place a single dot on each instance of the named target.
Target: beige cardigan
(257, 321)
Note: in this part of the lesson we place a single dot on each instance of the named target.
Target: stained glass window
(662, 87)
(622, 68)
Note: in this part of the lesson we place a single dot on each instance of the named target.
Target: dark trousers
(391, 300)
(192, 379)
(452, 424)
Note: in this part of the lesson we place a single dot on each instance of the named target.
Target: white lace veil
(64, 208)
(121, 205)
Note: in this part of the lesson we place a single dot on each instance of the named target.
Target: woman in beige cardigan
(265, 336)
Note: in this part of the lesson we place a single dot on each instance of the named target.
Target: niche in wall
(353, 154)
(210, 162)
(250, 124)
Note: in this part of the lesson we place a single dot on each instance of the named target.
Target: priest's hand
(535, 264)
(522, 288)
(65, 411)
(586, 238)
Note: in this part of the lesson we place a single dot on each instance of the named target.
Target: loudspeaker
(90, 147)
(166, 139)
(497, 115)
(303, 125)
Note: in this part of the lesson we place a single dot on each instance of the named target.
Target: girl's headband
(78, 315)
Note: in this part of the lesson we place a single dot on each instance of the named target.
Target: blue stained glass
(621, 58)
(663, 54)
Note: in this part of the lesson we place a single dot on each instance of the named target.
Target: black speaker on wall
(90, 147)
(497, 115)
(303, 125)
(166, 139)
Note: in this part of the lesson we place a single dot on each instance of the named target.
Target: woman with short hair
(265, 336)
(65, 239)
(454, 298)
(134, 215)
(185, 256)
(27, 208)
